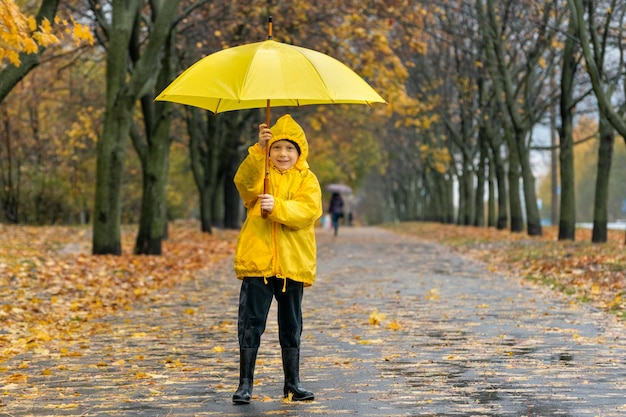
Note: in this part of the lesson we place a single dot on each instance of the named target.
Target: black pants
(255, 299)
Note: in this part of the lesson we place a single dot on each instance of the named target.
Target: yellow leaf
(45, 26)
(218, 349)
(542, 62)
(616, 301)
(63, 406)
(394, 325)
(376, 317)
(17, 379)
(370, 341)
(433, 294)
(32, 23)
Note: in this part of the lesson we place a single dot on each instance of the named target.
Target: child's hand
(267, 202)
(265, 134)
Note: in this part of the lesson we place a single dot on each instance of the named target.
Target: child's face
(283, 154)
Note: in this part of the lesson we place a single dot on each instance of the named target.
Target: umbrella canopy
(257, 74)
(339, 188)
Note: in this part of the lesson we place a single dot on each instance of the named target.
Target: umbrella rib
(297, 49)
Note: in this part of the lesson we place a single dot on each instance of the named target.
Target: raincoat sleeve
(303, 208)
(249, 177)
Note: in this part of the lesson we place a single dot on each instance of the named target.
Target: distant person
(276, 255)
(335, 208)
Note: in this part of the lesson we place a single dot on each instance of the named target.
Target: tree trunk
(217, 202)
(554, 167)
(464, 198)
(491, 204)
(155, 163)
(501, 182)
(237, 139)
(605, 157)
(206, 204)
(448, 195)
(533, 218)
(567, 219)
(515, 201)
(154, 157)
(203, 149)
(232, 202)
(111, 151)
(487, 151)
(479, 198)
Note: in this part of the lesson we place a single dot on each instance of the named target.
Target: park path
(394, 326)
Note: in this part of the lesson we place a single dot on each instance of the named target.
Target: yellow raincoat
(283, 244)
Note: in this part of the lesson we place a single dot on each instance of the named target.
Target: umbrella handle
(266, 180)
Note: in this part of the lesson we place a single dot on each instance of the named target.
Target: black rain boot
(247, 360)
(291, 367)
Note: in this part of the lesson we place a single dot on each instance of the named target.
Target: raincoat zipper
(275, 226)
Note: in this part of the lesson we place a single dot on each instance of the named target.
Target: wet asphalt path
(394, 326)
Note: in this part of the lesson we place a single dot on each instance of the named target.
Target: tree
(594, 44)
(567, 219)
(521, 84)
(46, 150)
(123, 92)
(214, 148)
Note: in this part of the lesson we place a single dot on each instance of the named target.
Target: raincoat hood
(287, 128)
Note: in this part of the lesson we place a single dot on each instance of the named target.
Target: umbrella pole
(266, 180)
(267, 152)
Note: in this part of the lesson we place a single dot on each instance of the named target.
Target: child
(276, 255)
(335, 209)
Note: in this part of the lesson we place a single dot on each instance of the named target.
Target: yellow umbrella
(269, 72)
(265, 74)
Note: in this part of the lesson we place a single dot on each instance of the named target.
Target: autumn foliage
(20, 33)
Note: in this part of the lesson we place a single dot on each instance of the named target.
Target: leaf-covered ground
(157, 336)
(594, 273)
(52, 288)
